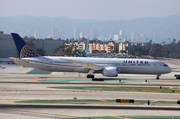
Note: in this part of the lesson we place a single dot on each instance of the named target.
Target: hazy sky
(91, 9)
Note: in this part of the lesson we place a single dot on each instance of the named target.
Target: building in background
(110, 36)
(76, 33)
(129, 48)
(116, 37)
(93, 34)
(101, 47)
(80, 46)
(81, 34)
(8, 48)
(132, 36)
(122, 34)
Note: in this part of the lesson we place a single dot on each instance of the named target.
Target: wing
(85, 65)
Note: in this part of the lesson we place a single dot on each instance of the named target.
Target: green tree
(157, 52)
(137, 53)
(59, 50)
(114, 51)
(122, 51)
(83, 53)
(174, 40)
(40, 51)
(95, 51)
(74, 50)
(31, 44)
(69, 50)
(102, 51)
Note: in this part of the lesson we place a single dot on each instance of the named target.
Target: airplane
(2, 66)
(86, 51)
(87, 48)
(109, 67)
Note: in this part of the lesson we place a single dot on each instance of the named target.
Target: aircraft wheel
(88, 76)
(157, 78)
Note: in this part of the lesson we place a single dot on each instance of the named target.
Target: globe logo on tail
(27, 52)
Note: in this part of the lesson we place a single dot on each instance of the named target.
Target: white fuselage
(124, 65)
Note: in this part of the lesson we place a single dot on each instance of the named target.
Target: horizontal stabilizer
(18, 60)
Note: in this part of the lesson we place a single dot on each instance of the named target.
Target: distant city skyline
(157, 29)
(91, 9)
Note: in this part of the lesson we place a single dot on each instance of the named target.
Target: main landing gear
(90, 76)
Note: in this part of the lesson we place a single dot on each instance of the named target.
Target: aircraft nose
(169, 70)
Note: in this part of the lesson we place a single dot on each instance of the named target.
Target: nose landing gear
(158, 76)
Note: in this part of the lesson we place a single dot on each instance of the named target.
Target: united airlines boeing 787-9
(109, 67)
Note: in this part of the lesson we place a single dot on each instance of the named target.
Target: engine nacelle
(110, 71)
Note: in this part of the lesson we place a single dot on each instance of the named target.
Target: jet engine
(110, 71)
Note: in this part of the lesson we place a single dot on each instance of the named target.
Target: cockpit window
(165, 65)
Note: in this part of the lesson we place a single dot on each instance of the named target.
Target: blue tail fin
(87, 48)
(23, 48)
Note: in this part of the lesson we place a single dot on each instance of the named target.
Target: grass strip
(37, 71)
(130, 117)
(64, 100)
(89, 100)
(123, 88)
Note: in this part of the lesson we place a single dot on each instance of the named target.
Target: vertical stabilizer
(23, 48)
(87, 47)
